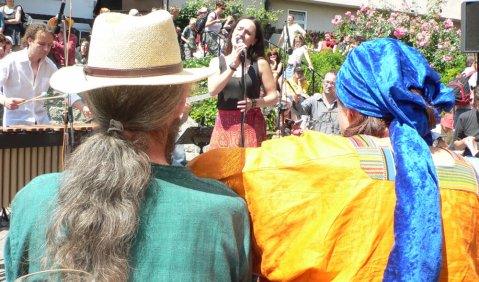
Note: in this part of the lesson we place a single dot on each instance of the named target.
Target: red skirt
(227, 130)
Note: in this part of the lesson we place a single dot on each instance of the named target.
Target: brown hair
(378, 126)
(32, 32)
(274, 51)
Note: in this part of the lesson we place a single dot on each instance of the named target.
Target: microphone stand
(243, 90)
(313, 73)
(68, 112)
(283, 79)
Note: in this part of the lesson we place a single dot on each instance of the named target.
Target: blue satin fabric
(375, 80)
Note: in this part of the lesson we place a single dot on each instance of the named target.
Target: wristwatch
(232, 66)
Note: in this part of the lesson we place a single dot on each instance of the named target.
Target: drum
(28, 151)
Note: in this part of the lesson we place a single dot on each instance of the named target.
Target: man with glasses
(322, 109)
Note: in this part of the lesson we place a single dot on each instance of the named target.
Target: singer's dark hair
(32, 32)
(255, 51)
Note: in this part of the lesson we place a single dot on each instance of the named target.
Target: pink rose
(400, 32)
(348, 13)
(448, 23)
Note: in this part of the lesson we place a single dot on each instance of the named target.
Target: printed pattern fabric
(227, 130)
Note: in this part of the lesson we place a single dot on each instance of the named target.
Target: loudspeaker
(470, 26)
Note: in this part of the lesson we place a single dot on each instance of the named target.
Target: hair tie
(115, 126)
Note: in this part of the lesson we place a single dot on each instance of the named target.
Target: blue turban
(375, 80)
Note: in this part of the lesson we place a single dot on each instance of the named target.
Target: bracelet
(231, 66)
(253, 103)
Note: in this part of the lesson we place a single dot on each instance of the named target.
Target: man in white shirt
(293, 29)
(25, 75)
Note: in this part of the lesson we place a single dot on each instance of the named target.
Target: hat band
(140, 72)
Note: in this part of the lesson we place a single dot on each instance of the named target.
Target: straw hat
(129, 50)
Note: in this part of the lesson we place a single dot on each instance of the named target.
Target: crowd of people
(364, 193)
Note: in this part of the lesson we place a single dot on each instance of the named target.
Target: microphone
(56, 29)
(240, 40)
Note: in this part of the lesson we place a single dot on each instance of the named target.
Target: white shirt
(293, 30)
(473, 78)
(216, 27)
(17, 80)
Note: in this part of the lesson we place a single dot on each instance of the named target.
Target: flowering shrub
(437, 39)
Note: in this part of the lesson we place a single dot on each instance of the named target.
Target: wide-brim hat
(129, 50)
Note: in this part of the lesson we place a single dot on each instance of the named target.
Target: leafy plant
(437, 39)
(322, 61)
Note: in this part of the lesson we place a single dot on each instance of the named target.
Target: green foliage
(234, 8)
(322, 61)
(205, 108)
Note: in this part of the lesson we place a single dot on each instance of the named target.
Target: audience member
(294, 60)
(369, 206)
(82, 52)
(134, 12)
(8, 45)
(58, 49)
(290, 31)
(213, 28)
(226, 85)
(119, 211)
(471, 69)
(329, 43)
(297, 90)
(467, 129)
(322, 109)
(188, 37)
(12, 18)
(3, 46)
(25, 75)
(276, 65)
(2, 23)
(104, 10)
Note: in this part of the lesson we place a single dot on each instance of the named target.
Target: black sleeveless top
(230, 95)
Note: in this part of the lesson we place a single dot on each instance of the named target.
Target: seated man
(322, 109)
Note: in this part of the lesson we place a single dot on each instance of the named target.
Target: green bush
(322, 61)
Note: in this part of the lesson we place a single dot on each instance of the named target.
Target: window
(299, 17)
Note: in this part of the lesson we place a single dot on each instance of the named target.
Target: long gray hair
(96, 213)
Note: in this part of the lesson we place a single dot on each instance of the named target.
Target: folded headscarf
(375, 80)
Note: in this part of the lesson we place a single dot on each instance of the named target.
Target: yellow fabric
(318, 217)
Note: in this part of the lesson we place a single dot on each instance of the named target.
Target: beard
(171, 139)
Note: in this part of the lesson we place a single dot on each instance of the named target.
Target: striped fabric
(378, 163)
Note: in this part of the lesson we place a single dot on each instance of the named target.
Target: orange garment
(318, 216)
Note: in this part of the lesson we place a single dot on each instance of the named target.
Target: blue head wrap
(375, 80)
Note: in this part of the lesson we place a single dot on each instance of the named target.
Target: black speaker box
(470, 26)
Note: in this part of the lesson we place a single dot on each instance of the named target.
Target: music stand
(198, 135)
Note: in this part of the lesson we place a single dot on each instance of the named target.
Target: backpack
(460, 87)
(201, 23)
(26, 20)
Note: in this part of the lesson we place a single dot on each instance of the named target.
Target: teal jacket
(191, 229)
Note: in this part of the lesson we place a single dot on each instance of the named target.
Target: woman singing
(226, 85)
